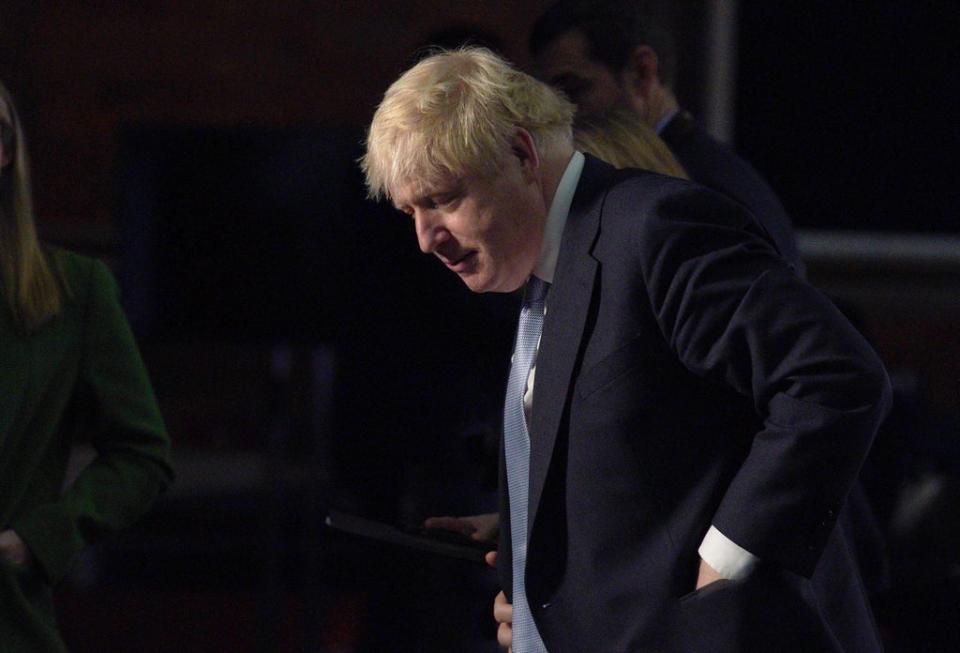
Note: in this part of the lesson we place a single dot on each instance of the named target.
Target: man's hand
(503, 613)
(482, 528)
(13, 549)
(707, 575)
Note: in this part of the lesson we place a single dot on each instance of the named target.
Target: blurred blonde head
(26, 278)
(453, 114)
(624, 140)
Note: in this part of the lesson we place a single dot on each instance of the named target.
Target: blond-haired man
(694, 414)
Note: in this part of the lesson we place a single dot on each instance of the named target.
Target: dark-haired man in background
(607, 55)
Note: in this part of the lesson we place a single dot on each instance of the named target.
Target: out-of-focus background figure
(620, 137)
(71, 373)
(618, 54)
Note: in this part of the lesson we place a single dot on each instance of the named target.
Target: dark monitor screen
(245, 232)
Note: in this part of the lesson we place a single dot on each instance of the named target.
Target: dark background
(850, 110)
(306, 355)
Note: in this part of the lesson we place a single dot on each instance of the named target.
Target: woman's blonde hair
(26, 278)
(623, 139)
(454, 113)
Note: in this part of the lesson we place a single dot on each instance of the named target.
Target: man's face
(565, 63)
(488, 232)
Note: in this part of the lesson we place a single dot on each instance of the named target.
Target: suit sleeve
(734, 311)
(132, 463)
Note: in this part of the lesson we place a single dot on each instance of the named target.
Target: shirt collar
(663, 122)
(557, 218)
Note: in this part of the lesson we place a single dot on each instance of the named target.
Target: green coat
(79, 378)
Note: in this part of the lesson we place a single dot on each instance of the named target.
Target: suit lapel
(568, 305)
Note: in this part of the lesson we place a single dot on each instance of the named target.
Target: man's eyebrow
(429, 189)
(410, 201)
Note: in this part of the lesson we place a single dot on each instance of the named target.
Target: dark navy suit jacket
(687, 377)
(715, 165)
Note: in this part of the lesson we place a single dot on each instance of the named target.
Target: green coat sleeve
(132, 463)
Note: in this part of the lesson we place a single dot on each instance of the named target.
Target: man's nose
(430, 231)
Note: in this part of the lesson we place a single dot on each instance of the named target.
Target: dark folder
(437, 541)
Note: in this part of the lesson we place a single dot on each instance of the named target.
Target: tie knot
(536, 291)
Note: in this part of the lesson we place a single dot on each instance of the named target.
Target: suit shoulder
(68, 261)
(80, 275)
(717, 164)
(649, 200)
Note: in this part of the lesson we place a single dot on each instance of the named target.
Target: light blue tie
(526, 639)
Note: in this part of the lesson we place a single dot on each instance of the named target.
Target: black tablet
(434, 540)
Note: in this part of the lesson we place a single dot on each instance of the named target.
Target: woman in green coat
(69, 371)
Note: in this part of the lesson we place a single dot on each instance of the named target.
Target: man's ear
(641, 74)
(524, 148)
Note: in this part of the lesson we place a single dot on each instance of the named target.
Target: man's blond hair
(455, 113)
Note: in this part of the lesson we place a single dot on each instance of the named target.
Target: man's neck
(660, 102)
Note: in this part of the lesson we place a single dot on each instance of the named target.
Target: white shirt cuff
(729, 559)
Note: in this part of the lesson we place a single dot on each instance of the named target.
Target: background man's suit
(686, 377)
(715, 165)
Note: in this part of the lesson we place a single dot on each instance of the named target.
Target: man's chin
(474, 284)
(479, 285)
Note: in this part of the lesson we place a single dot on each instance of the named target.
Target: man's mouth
(462, 262)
